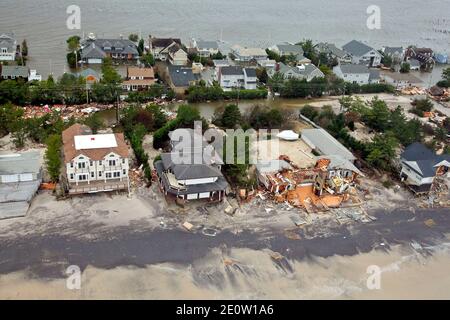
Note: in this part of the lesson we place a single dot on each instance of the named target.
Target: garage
(192, 196)
(204, 195)
(26, 177)
(8, 178)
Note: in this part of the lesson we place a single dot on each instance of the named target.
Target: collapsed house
(326, 185)
(335, 174)
(20, 178)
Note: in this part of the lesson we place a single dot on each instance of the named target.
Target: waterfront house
(205, 48)
(14, 72)
(8, 47)
(396, 53)
(421, 167)
(20, 178)
(423, 55)
(244, 54)
(303, 71)
(192, 169)
(333, 52)
(289, 49)
(235, 77)
(177, 56)
(354, 73)
(414, 64)
(401, 80)
(89, 75)
(94, 51)
(159, 47)
(139, 79)
(180, 78)
(94, 162)
(362, 54)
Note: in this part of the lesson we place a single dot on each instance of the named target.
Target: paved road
(49, 255)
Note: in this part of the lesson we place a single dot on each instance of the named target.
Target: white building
(421, 166)
(363, 54)
(401, 80)
(8, 47)
(245, 54)
(354, 73)
(205, 48)
(95, 162)
(234, 77)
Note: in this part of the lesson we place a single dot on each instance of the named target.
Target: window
(82, 177)
(91, 163)
(100, 162)
(71, 176)
(124, 172)
(123, 160)
(92, 174)
(112, 163)
(81, 165)
(4, 50)
(116, 174)
(71, 164)
(108, 175)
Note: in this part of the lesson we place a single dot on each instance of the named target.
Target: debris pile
(330, 184)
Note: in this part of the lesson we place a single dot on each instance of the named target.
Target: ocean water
(250, 22)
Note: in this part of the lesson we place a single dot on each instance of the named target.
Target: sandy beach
(405, 275)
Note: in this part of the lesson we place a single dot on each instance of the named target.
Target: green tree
(133, 37)
(446, 74)
(53, 156)
(276, 81)
(141, 47)
(378, 115)
(405, 67)
(382, 150)
(148, 60)
(231, 116)
(94, 122)
(9, 115)
(24, 48)
(159, 117)
(109, 74)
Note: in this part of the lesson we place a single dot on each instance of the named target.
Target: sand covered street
(136, 248)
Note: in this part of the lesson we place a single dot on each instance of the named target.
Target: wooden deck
(98, 186)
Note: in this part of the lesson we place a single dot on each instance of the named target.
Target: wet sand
(254, 275)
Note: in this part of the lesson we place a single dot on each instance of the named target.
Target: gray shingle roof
(330, 48)
(357, 48)
(250, 72)
(92, 52)
(325, 143)
(16, 71)
(219, 185)
(425, 158)
(27, 162)
(207, 44)
(181, 76)
(114, 46)
(354, 68)
(231, 70)
(389, 51)
(7, 41)
(290, 48)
